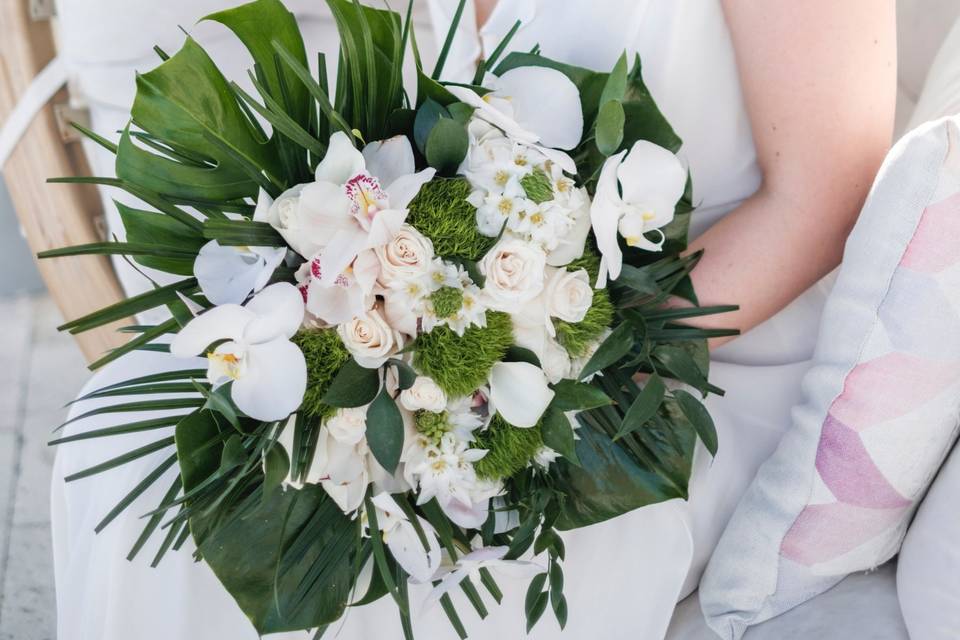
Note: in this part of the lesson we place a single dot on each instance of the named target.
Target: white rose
(555, 361)
(407, 255)
(514, 272)
(424, 394)
(348, 426)
(370, 339)
(568, 295)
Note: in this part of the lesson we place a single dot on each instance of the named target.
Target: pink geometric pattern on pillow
(886, 390)
(934, 245)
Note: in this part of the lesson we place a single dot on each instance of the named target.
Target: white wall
(18, 273)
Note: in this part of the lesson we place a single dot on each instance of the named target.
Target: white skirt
(623, 577)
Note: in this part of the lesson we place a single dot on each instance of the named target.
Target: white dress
(624, 576)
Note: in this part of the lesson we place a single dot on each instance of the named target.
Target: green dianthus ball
(446, 301)
(460, 364)
(325, 354)
(509, 448)
(441, 212)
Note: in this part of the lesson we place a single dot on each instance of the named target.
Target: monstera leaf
(289, 561)
(612, 479)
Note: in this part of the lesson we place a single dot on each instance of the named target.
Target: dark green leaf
(613, 348)
(428, 115)
(683, 367)
(644, 407)
(557, 433)
(700, 419)
(610, 121)
(571, 395)
(276, 467)
(616, 85)
(446, 145)
(521, 354)
(354, 386)
(385, 431)
(242, 233)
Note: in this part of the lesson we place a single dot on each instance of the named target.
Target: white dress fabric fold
(624, 576)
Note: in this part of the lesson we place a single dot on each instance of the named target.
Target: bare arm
(819, 80)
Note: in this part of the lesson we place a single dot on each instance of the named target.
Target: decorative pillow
(881, 401)
(928, 573)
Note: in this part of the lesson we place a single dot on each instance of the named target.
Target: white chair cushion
(863, 605)
(881, 401)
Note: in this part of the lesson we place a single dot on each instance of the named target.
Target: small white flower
(348, 426)
(651, 180)
(514, 272)
(425, 394)
(370, 339)
(545, 456)
(268, 372)
(445, 471)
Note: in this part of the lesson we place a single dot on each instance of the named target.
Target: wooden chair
(53, 216)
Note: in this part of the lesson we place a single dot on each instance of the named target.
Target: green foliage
(447, 301)
(325, 354)
(509, 448)
(185, 104)
(433, 425)
(460, 364)
(441, 212)
(537, 186)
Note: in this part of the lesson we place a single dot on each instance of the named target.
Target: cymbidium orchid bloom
(401, 537)
(637, 193)
(268, 371)
(359, 201)
(469, 566)
(228, 274)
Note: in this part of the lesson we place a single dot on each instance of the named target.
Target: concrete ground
(40, 371)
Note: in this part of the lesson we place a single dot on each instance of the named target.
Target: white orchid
(350, 295)
(268, 371)
(401, 537)
(359, 201)
(519, 392)
(469, 566)
(228, 274)
(637, 193)
(533, 105)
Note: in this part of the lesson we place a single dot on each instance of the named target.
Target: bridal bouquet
(421, 320)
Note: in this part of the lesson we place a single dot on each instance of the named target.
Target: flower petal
(272, 258)
(273, 382)
(343, 247)
(519, 392)
(468, 516)
(494, 116)
(389, 159)
(545, 102)
(605, 212)
(227, 321)
(407, 549)
(278, 312)
(264, 202)
(651, 174)
(341, 162)
(405, 188)
(571, 245)
(226, 275)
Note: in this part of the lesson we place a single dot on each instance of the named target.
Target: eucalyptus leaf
(557, 434)
(446, 145)
(610, 123)
(385, 431)
(353, 386)
(570, 395)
